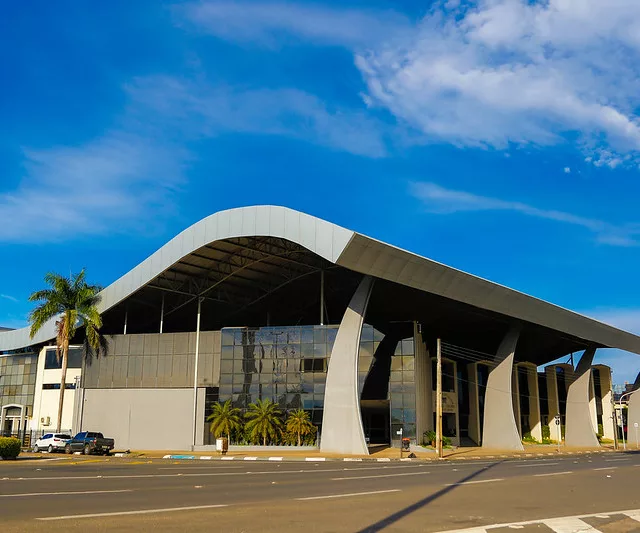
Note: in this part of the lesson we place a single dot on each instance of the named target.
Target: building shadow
(399, 515)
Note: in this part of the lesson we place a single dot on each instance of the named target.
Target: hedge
(9, 447)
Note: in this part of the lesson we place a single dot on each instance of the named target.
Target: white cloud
(483, 73)
(269, 22)
(441, 200)
(8, 297)
(567, 170)
(105, 185)
(204, 110)
(497, 72)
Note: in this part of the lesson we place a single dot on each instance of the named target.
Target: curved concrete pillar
(342, 430)
(500, 431)
(579, 430)
(633, 414)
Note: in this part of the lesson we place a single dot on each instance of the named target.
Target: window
(56, 386)
(313, 365)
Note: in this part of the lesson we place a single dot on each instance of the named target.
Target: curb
(287, 459)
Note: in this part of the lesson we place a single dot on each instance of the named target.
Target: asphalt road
(98, 494)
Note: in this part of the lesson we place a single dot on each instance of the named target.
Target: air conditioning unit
(45, 421)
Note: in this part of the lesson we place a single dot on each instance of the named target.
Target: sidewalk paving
(384, 455)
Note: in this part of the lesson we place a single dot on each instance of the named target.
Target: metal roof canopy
(261, 264)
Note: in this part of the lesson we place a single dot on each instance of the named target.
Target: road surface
(97, 494)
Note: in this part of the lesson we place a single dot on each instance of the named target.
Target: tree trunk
(264, 439)
(298, 438)
(63, 382)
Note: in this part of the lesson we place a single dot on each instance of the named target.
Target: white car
(52, 442)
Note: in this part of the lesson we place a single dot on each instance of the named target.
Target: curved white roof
(355, 252)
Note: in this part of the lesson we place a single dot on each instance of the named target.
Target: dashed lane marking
(69, 493)
(348, 495)
(124, 513)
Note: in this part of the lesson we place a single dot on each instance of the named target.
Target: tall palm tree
(73, 303)
(224, 419)
(299, 424)
(264, 421)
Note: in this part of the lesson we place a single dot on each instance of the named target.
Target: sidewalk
(384, 455)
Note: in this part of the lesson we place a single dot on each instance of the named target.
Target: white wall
(45, 402)
(141, 419)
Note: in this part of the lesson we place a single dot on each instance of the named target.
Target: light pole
(624, 444)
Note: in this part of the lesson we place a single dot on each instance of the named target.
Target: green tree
(299, 424)
(264, 421)
(72, 302)
(224, 419)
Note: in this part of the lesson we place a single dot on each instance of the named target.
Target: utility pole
(439, 399)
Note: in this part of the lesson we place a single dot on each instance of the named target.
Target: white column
(579, 429)
(500, 430)
(342, 430)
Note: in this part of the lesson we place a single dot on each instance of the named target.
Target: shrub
(546, 432)
(528, 438)
(9, 447)
(429, 439)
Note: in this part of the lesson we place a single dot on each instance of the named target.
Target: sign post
(557, 418)
(439, 399)
(399, 432)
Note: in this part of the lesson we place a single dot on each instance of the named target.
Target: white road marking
(569, 525)
(605, 468)
(474, 482)
(204, 474)
(554, 523)
(314, 459)
(536, 464)
(381, 475)
(124, 513)
(617, 460)
(347, 495)
(553, 474)
(28, 494)
(250, 458)
(223, 458)
(275, 458)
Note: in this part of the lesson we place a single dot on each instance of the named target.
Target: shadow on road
(391, 519)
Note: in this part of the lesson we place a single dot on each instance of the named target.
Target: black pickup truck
(89, 442)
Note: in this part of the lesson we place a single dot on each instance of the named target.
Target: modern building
(267, 302)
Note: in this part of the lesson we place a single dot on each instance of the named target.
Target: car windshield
(63, 436)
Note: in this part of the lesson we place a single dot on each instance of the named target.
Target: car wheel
(67, 449)
(36, 449)
(86, 450)
(107, 453)
(50, 449)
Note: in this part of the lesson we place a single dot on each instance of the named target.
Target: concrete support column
(593, 409)
(515, 397)
(633, 414)
(423, 384)
(500, 431)
(535, 417)
(579, 430)
(552, 397)
(606, 394)
(342, 430)
(474, 403)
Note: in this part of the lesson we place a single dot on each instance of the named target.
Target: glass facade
(402, 390)
(287, 365)
(51, 361)
(18, 379)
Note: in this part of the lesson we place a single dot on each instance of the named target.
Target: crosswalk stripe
(569, 525)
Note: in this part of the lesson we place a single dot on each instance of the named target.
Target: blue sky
(499, 136)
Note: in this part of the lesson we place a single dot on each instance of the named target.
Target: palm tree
(73, 303)
(224, 419)
(299, 424)
(265, 421)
